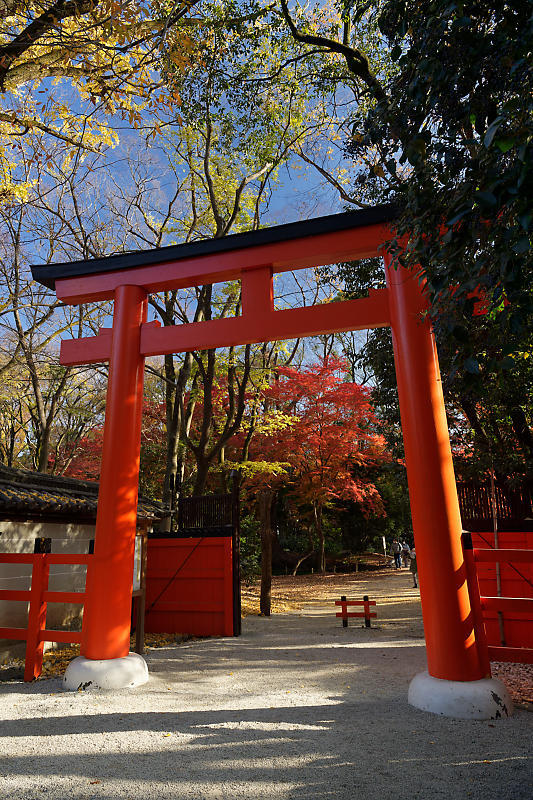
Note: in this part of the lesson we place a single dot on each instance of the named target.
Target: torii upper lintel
(349, 236)
(251, 257)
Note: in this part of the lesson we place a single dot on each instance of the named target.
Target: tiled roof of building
(34, 495)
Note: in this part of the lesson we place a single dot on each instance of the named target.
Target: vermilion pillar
(448, 625)
(107, 614)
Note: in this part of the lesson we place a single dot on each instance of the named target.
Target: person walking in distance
(405, 553)
(396, 552)
(413, 567)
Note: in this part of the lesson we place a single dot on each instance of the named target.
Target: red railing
(346, 615)
(38, 596)
(481, 605)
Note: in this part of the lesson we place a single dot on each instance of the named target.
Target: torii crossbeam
(253, 258)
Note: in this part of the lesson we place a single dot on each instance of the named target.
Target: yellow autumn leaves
(106, 57)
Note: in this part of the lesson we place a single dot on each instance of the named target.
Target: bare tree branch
(356, 61)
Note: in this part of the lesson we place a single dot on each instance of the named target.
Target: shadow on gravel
(349, 735)
(11, 674)
(337, 751)
(352, 656)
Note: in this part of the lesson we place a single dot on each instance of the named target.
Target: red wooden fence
(346, 615)
(189, 586)
(38, 596)
(513, 505)
(214, 511)
(515, 605)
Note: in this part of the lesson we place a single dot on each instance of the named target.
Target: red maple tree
(84, 459)
(334, 437)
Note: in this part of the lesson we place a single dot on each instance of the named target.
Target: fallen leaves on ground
(291, 592)
(519, 681)
(57, 660)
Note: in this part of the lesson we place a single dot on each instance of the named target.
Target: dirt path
(398, 603)
(398, 606)
(292, 593)
(297, 708)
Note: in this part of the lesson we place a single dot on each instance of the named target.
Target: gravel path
(297, 708)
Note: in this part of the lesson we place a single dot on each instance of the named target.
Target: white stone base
(484, 699)
(86, 674)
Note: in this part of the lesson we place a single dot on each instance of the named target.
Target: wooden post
(236, 554)
(450, 636)
(367, 611)
(344, 608)
(141, 600)
(36, 617)
(475, 602)
(494, 512)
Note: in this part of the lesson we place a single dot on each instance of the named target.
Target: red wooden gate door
(189, 586)
(516, 580)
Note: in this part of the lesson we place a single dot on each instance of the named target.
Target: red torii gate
(253, 258)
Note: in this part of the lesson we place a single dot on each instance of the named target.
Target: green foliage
(489, 408)
(459, 116)
(443, 128)
(360, 534)
(250, 547)
(454, 128)
(332, 533)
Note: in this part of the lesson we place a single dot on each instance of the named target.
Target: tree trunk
(202, 471)
(472, 416)
(317, 511)
(174, 403)
(522, 430)
(301, 560)
(265, 518)
(173, 420)
(44, 450)
(11, 446)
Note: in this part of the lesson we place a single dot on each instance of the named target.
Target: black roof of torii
(47, 274)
